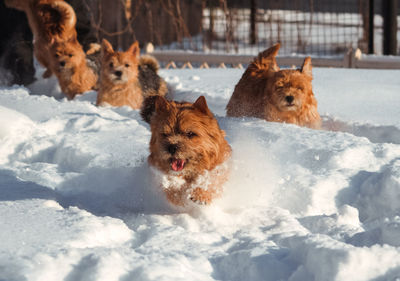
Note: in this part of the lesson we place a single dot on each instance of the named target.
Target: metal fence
(301, 27)
(319, 27)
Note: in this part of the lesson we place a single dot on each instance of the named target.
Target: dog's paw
(201, 196)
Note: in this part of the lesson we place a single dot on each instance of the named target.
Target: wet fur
(264, 90)
(198, 139)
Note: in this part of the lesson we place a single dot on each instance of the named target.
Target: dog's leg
(201, 196)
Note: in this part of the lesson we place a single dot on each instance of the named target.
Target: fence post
(211, 25)
(389, 12)
(253, 20)
(371, 27)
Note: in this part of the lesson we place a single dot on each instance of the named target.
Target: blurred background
(321, 28)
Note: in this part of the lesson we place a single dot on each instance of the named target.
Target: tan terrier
(127, 80)
(266, 92)
(71, 67)
(188, 149)
(50, 21)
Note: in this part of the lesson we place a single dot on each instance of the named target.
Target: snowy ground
(77, 201)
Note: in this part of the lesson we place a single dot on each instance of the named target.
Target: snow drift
(77, 200)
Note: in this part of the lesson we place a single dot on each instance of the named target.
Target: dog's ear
(201, 105)
(307, 67)
(267, 59)
(161, 105)
(106, 48)
(134, 49)
(149, 107)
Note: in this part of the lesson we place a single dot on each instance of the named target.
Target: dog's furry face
(119, 67)
(68, 62)
(289, 90)
(265, 91)
(186, 138)
(67, 57)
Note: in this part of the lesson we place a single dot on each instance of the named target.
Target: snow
(78, 199)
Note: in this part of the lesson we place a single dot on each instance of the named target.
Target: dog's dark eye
(56, 55)
(164, 135)
(111, 64)
(191, 134)
(70, 55)
(127, 65)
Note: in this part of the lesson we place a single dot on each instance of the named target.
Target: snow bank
(77, 200)
(44, 239)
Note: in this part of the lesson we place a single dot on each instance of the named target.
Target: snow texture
(77, 200)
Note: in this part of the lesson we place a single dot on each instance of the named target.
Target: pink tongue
(177, 164)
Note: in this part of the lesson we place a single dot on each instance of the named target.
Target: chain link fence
(302, 27)
(318, 27)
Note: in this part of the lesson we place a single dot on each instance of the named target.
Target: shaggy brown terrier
(50, 21)
(266, 92)
(127, 80)
(189, 149)
(70, 65)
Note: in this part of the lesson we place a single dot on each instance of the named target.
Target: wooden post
(253, 22)
(371, 14)
(211, 28)
(389, 12)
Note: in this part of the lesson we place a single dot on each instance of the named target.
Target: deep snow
(77, 199)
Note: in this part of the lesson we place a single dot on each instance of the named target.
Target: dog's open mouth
(177, 164)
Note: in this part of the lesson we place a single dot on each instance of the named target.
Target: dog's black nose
(172, 148)
(118, 73)
(289, 99)
(62, 63)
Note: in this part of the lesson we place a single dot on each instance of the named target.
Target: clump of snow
(13, 122)
(379, 193)
(78, 199)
